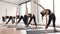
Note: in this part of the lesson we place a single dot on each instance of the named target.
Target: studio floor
(20, 29)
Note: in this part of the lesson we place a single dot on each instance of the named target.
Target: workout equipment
(41, 30)
(10, 26)
(24, 2)
(20, 27)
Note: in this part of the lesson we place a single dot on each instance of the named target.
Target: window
(29, 7)
(57, 12)
(23, 8)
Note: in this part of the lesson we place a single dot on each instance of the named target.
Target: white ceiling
(14, 1)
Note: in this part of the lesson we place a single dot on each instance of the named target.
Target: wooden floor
(5, 30)
(31, 30)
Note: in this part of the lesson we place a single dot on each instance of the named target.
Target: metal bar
(24, 2)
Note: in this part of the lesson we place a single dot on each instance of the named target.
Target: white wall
(11, 9)
(23, 9)
(57, 12)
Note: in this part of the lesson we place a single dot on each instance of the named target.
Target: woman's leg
(13, 20)
(34, 20)
(19, 19)
(29, 21)
(9, 19)
(25, 19)
(3, 19)
(49, 21)
(54, 19)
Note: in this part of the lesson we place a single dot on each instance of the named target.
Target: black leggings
(51, 18)
(25, 19)
(33, 17)
(11, 18)
(4, 18)
(20, 19)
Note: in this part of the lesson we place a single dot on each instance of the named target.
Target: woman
(52, 17)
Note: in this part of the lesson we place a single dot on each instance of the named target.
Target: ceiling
(14, 1)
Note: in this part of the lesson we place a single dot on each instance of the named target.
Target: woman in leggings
(32, 17)
(52, 17)
(11, 18)
(19, 17)
(4, 18)
(25, 19)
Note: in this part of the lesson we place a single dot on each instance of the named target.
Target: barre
(24, 2)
